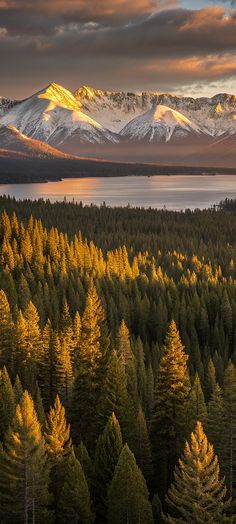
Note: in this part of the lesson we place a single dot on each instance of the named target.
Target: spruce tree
(7, 335)
(228, 443)
(142, 446)
(90, 369)
(215, 420)
(197, 494)
(128, 494)
(24, 469)
(169, 424)
(197, 405)
(74, 504)
(83, 457)
(7, 402)
(114, 395)
(108, 449)
(17, 390)
(59, 447)
(127, 361)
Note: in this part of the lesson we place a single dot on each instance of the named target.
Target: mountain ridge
(108, 124)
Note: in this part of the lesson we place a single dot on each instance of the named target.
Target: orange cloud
(211, 66)
(92, 8)
(207, 17)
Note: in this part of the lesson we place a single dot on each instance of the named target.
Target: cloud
(133, 45)
(50, 13)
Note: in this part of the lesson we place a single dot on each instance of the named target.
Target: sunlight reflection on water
(173, 192)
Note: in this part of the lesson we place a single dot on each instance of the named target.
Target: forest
(117, 364)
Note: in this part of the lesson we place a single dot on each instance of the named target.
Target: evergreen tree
(197, 494)
(84, 459)
(142, 446)
(17, 390)
(7, 338)
(197, 405)
(215, 420)
(59, 447)
(228, 443)
(108, 449)
(74, 505)
(168, 426)
(128, 494)
(210, 380)
(114, 396)
(91, 368)
(7, 402)
(24, 469)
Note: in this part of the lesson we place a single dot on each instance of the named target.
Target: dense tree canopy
(117, 334)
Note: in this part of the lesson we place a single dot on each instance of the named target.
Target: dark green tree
(108, 450)
(169, 420)
(128, 494)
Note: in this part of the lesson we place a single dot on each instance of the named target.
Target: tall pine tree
(128, 494)
(197, 494)
(24, 468)
(168, 426)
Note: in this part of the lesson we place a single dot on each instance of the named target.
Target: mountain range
(138, 127)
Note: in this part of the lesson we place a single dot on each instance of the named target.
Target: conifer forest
(117, 364)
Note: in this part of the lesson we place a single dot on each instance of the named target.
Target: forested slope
(117, 341)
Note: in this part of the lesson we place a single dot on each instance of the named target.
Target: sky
(178, 46)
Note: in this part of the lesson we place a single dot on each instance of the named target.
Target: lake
(172, 192)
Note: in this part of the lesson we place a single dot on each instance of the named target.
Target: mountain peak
(88, 92)
(59, 95)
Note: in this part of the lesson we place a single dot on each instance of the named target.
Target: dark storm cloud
(142, 46)
(27, 16)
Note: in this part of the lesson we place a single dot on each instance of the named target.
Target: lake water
(173, 192)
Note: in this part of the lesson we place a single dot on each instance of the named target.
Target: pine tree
(142, 446)
(7, 402)
(197, 405)
(228, 443)
(215, 420)
(59, 447)
(24, 469)
(108, 450)
(114, 396)
(29, 346)
(128, 494)
(90, 369)
(83, 457)
(168, 425)
(17, 390)
(210, 380)
(127, 360)
(197, 494)
(7, 336)
(74, 502)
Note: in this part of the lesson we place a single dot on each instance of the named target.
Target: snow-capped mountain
(53, 115)
(106, 124)
(14, 141)
(114, 110)
(159, 124)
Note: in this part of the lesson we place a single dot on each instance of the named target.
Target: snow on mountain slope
(115, 109)
(159, 124)
(89, 116)
(52, 115)
(12, 140)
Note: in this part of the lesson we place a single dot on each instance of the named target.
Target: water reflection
(173, 192)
